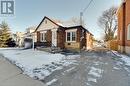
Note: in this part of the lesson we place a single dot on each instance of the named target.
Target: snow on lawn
(36, 64)
(124, 58)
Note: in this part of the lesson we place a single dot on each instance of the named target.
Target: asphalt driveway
(93, 68)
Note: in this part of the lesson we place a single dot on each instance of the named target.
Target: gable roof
(56, 22)
(49, 20)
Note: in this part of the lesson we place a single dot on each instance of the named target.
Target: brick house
(52, 33)
(123, 14)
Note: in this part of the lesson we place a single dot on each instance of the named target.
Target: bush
(11, 43)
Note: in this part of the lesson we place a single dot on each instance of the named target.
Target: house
(29, 37)
(13, 36)
(54, 33)
(123, 14)
(29, 33)
(20, 39)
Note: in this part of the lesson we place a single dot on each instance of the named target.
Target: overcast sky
(30, 12)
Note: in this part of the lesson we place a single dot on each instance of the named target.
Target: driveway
(94, 68)
(10, 75)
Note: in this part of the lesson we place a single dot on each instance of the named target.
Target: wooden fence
(113, 45)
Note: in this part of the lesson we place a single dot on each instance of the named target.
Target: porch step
(46, 49)
(55, 50)
(50, 49)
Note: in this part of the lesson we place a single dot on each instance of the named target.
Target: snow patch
(52, 81)
(124, 58)
(92, 79)
(119, 63)
(127, 69)
(95, 72)
(70, 69)
(116, 68)
(88, 84)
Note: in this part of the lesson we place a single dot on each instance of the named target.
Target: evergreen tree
(4, 34)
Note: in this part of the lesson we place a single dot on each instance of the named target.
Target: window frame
(68, 34)
(43, 36)
(128, 32)
(71, 36)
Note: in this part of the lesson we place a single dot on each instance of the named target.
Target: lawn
(36, 64)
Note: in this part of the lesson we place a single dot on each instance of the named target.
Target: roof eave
(123, 1)
(43, 20)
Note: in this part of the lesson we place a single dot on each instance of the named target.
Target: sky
(31, 12)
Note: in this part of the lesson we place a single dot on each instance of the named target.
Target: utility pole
(82, 12)
(81, 18)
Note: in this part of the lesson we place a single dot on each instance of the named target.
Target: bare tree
(108, 22)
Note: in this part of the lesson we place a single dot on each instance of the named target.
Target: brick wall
(127, 20)
(61, 38)
(38, 36)
(79, 43)
(123, 21)
(49, 37)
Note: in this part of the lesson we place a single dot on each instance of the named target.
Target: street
(98, 67)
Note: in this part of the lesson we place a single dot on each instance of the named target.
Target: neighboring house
(13, 36)
(29, 37)
(29, 33)
(124, 27)
(20, 39)
(53, 33)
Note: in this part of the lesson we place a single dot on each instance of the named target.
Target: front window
(42, 36)
(68, 36)
(71, 36)
(128, 32)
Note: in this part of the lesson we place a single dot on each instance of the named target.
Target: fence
(113, 45)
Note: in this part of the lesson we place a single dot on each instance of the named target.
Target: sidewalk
(10, 75)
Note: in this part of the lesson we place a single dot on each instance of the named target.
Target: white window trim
(43, 32)
(71, 35)
(128, 32)
(72, 30)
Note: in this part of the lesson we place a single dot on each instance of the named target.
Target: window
(42, 36)
(71, 36)
(128, 32)
(68, 36)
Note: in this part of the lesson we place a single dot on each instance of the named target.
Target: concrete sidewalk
(10, 75)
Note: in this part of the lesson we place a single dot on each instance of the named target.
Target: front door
(54, 38)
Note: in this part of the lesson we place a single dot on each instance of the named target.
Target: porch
(47, 47)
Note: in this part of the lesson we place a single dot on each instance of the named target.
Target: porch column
(54, 37)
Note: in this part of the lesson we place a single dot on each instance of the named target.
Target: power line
(87, 6)
(82, 12)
